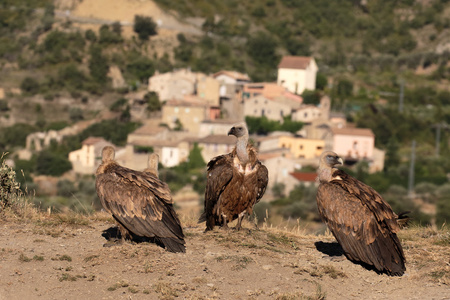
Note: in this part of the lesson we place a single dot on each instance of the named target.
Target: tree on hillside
(144, 27)
(152, 100)
(141, 67)
(195, 158)
(30, 85)
(98, 65)
(48, 163)
(262, 48)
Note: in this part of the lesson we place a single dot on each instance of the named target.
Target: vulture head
(328, 161)
(239, 130)
(108, 154)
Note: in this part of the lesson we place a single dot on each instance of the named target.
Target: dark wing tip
(173, 244)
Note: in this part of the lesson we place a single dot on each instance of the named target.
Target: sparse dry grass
(318, 295)
(165, 290)
(239, 262)
(117, 285)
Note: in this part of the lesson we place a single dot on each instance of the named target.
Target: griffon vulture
(361, 221)
(139, 202)
(235, 182)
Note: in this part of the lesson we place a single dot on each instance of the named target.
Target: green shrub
(144, 27)
(9, 187)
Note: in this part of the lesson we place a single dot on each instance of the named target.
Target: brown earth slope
(63, 258)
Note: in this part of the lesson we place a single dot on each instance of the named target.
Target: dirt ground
(64, 258)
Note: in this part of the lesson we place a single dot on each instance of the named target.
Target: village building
(297, 73)
(180, 83)
(214, 145)
(231, 83)
(188, 115)
(353, 144)
(216, 127)
(87, 159)
(272, 109)
(302, 147)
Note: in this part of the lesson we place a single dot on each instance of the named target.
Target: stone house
(231, 83)
(172, 146)
(214, 145)
(353, 144)
(180, 83)
(207, 89)
(87, 159)
(297, 73)
(189, 113)
(273, 109)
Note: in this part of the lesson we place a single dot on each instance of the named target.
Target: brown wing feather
(362, 222)
(262, 180)
(219, 174)
(142, 204)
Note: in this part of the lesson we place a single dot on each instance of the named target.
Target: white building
(297, 73)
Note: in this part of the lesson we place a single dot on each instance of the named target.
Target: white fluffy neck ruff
(241, 149)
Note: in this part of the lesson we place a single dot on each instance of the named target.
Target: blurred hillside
(385, 66)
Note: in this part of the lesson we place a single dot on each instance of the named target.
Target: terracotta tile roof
(352, 131)
(93, 140)
(233, 74)
(221, 121)
(294, 62)
(218, 139)
(303, 176)
(150, 130)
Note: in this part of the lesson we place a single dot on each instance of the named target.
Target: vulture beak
(339, 162)
(232, 131)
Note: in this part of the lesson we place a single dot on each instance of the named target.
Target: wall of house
(268, 144)
(310, 76)
(210, 151)
(292, 79)
(353, 145)
(260, 106)
(279, 169)
(170, 156)
(307, 114)
(173, 85)
(189, 116)
(301, 147)
(87, 159)
(208, 90)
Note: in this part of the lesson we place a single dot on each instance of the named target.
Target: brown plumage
(361, 221)
(235, 182)
(139, 202)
